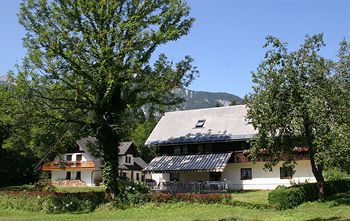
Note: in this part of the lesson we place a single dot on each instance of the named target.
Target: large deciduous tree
(89, 63)
(297, 102)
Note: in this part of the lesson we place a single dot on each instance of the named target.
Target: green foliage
(21, 202)
(17, 168)
(139, 136)
(335, 174)
(51, 202)
(300, 99)
(189, 197)
(287, 198)
(88, 66)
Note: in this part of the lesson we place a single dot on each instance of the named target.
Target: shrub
(188, 197)
(50, 202)
(286, 198)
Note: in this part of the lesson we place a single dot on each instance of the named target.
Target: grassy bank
(335, 208)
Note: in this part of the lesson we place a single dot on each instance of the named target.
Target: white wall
(262, 179)
(132, 176)
(160, 177)
(57, 175)
(85, 157)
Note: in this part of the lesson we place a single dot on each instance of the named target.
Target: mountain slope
(203, 99)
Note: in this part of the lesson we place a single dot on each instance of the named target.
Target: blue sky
(227, 37)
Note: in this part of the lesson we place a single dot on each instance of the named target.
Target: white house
(204, 147)
(81, 168)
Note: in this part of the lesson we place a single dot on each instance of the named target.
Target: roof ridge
(208, 108)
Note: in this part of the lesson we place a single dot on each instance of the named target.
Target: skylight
(200, 123)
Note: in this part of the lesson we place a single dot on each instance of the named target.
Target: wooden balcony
(69, 165)
(241, 157)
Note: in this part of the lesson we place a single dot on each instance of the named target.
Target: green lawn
(337, 208)
(258, 197)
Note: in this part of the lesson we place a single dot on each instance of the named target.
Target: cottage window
(127, 159)
(286, 172)
(177, 150)
(246, 174)
(68, 175)
(137, 176)
(69, 157)
(185, 149)
(79, 157)
(200, 123)
(174, 177)
(214, 176)
(208, 148)
(200, 148)
(78, 175)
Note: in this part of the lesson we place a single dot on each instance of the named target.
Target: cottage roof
(202, 125)
(214, 162)
(83, 142)
(123, 147)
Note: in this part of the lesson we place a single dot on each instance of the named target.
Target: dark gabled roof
(83, 142)
(202, 125)
(214, 162)
(124, 147)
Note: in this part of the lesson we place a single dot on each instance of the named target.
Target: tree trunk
(109, 141)
(317, 171)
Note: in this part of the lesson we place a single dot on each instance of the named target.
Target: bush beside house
(286, 198)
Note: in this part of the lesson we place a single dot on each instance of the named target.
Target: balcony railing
(194, 187)
(69, 165)
(242, 157)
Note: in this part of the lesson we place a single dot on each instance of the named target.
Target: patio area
(196, 187)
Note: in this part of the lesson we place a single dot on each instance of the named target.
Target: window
(184, 149)
(208, 148)
(69, 157)
(174, 177)
(246, 174)
(214, 176)
(286, 172)
(78, 175)
(200, 123)
(68, 175)
(200, 148)
(124, 174)
(137, 176)
(127, 159)
(79, 157)
(177, 150)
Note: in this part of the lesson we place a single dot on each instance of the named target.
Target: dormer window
(200, 123)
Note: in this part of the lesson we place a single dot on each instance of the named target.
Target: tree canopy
(301, 99)
(89, 63)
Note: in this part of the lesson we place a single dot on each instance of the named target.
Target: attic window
(200, 123)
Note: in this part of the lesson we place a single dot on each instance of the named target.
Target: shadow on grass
(340, 199)
(223, 219)
(326, 219)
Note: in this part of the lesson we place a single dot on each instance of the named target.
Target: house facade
(80, 168)
(208, 146)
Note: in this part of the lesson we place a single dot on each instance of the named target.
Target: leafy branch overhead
(91, 62)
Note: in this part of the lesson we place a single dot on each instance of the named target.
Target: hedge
(51, 202)
(287, 198)
(188, 197)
